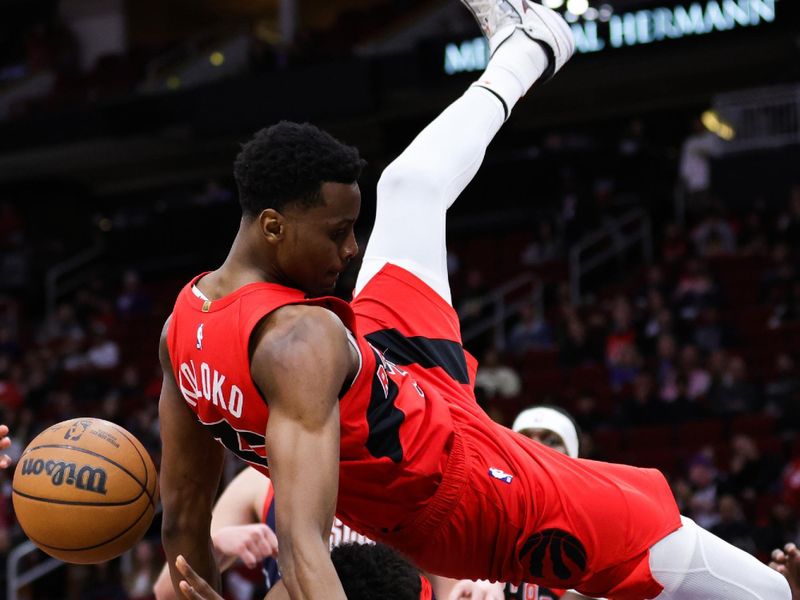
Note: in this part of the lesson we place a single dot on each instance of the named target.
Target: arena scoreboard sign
(635, 28)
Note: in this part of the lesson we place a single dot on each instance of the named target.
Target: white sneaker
(499, 19)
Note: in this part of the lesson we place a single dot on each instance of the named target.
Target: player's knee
(775, 585)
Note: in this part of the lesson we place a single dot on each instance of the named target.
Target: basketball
(85, 490)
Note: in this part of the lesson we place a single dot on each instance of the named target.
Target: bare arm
(191, 466)
(301, 365)
(236, 530)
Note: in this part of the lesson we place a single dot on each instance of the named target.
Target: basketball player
(242, 525)
(367, 409)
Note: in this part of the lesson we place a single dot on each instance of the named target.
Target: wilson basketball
(85, 490)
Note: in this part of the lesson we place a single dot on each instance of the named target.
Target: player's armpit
(191, 465)
(301, 364)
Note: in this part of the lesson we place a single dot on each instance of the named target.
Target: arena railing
(762, 118)
(503, 307)
(609, 242)
(68, 275)
(15, 580)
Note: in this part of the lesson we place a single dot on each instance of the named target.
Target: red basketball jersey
(394, 438)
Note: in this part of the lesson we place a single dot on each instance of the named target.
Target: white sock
(514, 67)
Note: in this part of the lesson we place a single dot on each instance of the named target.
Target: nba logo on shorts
(501, 475)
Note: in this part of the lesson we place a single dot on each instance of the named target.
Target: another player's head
(370, 571)
(551, 426)
(299, 194)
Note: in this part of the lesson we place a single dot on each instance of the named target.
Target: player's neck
(243, 265)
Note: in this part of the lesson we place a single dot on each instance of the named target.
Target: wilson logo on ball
(91, 479)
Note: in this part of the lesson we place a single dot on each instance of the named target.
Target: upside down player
(367, 409)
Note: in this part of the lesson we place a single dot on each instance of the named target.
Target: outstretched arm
(191, 465)
(301, 366)
(236, 529)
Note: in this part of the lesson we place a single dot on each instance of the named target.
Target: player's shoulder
(297, 326)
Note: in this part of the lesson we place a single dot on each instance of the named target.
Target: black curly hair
(375, 572)
(288, 162)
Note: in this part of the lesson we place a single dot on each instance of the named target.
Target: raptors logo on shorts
(554, 552)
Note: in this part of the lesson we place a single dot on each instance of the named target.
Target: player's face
(320, 241)
(546, 437)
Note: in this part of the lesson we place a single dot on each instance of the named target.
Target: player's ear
(272, 224)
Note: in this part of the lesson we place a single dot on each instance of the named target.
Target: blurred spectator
(667, 367)
(531, 332)
(787, 311)
(704, 480)
(732, 526)
(10, 394)
(781, 526)
(622, 334)
(753, 239)
(625, 368)
(734, 394)
(696, 290)
(779, 275)
(790, 489)
(587, 414)
(62, 326)
(144, 570)
(471, 307)
(709, 333)
(496, 378)
(9, 346)
(695, 166)
(103, 352)
(573, 342)
(92, 304)
(750, 472)
(632, 142)
(674, 246)
(133, 300)
(640, 406)
(698, 379)
(714, 236)
(545, 246)
(783, 385)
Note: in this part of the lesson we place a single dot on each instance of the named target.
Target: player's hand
(5, 442)
(251, 543)
(787, 563)
(477, 590)
(194, 587)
